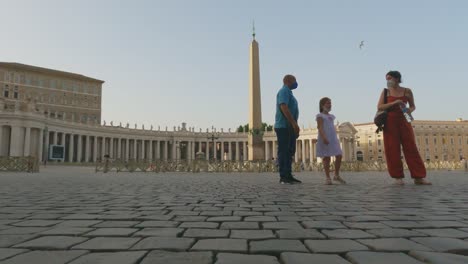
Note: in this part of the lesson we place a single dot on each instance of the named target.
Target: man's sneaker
(294, 180)
(285, 181)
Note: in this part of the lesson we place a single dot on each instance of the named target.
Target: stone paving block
(365, 257)
(392, 244)
(443, 244)
(110, 231)
(168, 257)
(230, 258)
(157, 224)
(81, 217)
(127, 257)
(10, 240)
(281, 225)
(221, 244)
(438, 258)
(395, 232)
(365, 225)
(323, 224)
(246, 213)
(160, 232)
(154, 217)
(252, 234)
(260, 218)
(334, 246)
(23, 230)
(299, 234)
(199, 225)
(224, 219)
(277, 246)
(444, 232)
(404, 224)
(108, 243)
(117, 224)
(78, 223)
(328, 218)
(216, 213)
(51, 242)
(10, 252)
(412, 218)
(304, 258)
(365, 218)
(206, 233)
(442, 224)
(347, 233)
(240, 225)
(46, 257)
(164, 243)
(190, 218)
(67, 231)
(442, 217)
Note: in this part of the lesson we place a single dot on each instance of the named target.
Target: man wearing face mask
(399, 132)
(286, 128)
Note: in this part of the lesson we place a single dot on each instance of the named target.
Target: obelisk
(255, 140)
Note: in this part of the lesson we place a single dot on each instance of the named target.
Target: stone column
(27, 142)
(119, 148)
(95, 152)
(15, 150)
(41, 143)
(158, 147)
(222, 150)
(174, 150)
(1, 134)
(135, 146)
(296, 155)
(189, 151)
(127, 149)
(199, 146)
(87, 149)
(103, 148)
(143, 154)
(111, 148)
(229, 151)
(150, 154)
(267, 150)
(165, 150)
(214, 150)
(244, 151)
(237, 151)
(207, 150)
(311, 150)
(70, 148)
(303, 151)
(274, 150)
(54, 141)
(79, 149)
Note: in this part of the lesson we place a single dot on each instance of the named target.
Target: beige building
(436, 140)
(57, 94)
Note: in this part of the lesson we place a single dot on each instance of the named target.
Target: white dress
(333, 148)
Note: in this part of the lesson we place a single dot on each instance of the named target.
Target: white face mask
(391, 83)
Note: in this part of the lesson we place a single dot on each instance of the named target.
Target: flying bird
(361, 44)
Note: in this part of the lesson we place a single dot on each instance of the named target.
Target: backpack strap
(385, 95)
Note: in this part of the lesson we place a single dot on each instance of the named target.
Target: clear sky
(168, 62)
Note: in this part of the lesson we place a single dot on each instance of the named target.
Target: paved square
(74, 215)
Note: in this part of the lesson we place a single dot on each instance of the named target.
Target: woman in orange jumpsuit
(399, 132)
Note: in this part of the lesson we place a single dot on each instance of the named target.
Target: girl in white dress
(328, 144)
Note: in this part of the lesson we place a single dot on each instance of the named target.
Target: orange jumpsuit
(397, 131)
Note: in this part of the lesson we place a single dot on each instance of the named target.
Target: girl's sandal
(399, 182)
(328, 181)
(339, 179)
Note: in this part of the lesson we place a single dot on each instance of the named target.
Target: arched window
(360, 156)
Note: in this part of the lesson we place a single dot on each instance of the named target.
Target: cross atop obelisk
(256, 149)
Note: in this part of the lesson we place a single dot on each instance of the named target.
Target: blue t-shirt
(285, 96)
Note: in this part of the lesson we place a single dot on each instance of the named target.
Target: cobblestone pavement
(73, 215)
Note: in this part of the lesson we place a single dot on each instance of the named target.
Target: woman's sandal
(339, 179)
(328, 181)
(421, 182)
(399, 182)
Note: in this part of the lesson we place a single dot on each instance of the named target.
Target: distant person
(286, 128)
(398, 131)
(328, 144)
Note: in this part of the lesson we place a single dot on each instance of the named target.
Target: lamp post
(46, 149)
(213, 137)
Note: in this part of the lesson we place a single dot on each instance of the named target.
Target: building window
(426, 140)
(451, 141)
(370, 143)
(6, 91)
(379, 142)
(15, 92)
(435, 141)
(358, 144)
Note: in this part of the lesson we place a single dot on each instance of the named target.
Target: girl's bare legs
(337, 169)
(326, 167)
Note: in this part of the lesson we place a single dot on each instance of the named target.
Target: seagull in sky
(361, 45)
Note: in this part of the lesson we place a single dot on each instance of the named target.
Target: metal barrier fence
(29, 164)
(195, 166)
